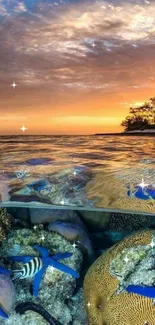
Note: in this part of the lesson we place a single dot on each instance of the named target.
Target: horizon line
(79, 135)
(7, 135)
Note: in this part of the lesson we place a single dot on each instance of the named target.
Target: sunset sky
(78, 65)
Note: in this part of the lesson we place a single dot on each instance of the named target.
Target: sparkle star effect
(142, 184)
(126, 259)
(152, 244)
(14, 85)
(23, 128)
(52, 269)
(134, 45)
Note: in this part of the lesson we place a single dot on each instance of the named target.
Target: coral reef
(128, 262)
(96, 219)
(49, 215)
(112, 193)
(55, 285)
(5, 223)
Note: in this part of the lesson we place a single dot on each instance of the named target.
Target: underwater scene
(70, 267)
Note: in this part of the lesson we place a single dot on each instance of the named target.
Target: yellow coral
(104, 308)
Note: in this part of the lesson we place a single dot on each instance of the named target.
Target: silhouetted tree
(141, 117)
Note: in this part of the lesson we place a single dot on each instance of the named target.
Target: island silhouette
(141, 120)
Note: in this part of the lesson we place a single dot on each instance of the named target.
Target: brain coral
(129, 222)
(104, 308)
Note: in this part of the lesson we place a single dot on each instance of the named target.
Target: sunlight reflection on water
(32, 159)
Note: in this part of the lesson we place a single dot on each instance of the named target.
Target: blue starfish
(3, 270)
(46, 261)
(145, 291)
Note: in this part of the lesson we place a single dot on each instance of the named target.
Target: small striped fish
(29, 269)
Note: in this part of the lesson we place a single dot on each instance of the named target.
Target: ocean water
(99, 250)
(107, 173)
(79, 210)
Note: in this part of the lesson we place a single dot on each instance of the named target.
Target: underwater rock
(65, 186)
(7, 292)
(22, 214)
(77, 308)
(28, 306)
(115, 236)
(21, 217)
(74, 233)
(5, 223)
(100, 252)
(96, 219)
(55, 286)
(12, 211)
(105, 239)
(51, 215)
(28, 318)
(126, 263)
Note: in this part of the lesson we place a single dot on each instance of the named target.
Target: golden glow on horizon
(64, 122)
(87, 121)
